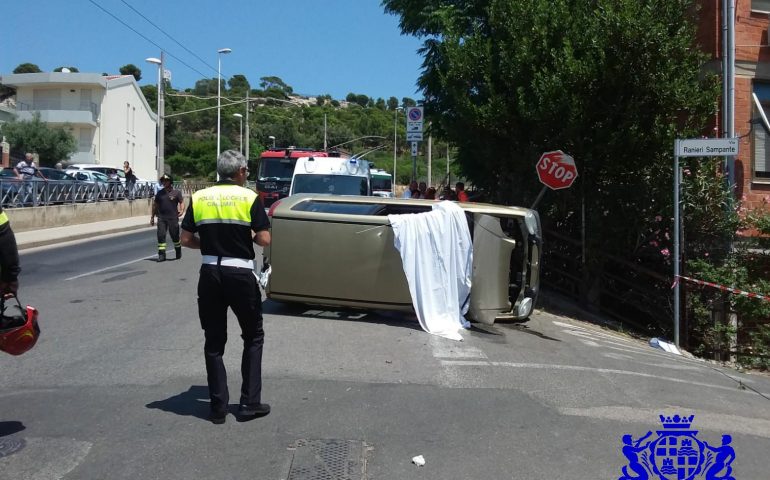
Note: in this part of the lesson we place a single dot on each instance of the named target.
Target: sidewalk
(54, 235)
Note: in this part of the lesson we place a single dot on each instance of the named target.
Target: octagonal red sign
(556, 170)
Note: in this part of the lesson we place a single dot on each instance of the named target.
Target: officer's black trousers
(221, 287)
(170, 225)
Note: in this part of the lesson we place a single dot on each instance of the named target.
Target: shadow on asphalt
(192, 403)
(526, 329)
(393, 319)
(9, 428)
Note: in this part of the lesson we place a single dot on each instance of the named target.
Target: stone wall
(36, 218)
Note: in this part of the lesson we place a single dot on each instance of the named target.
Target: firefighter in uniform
(168, 206)
(228, 219)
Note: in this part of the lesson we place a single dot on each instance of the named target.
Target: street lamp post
(271, 137)
(159, 123)
(219, 94)
(395, 147)
(240, 117)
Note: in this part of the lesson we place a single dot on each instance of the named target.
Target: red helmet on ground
(19, 330)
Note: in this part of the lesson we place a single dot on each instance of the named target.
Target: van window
(358, 208)
(333, 184)
(340, 207)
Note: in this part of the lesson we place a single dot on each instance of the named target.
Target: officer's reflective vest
(230, 204)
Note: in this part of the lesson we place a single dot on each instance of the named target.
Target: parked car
(103, 188)
(61, 186)
(339, 251)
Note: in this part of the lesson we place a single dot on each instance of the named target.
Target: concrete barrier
(37, 218)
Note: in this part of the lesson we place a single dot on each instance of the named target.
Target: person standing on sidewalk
(168, 207)
(228, 220)
(130, 180)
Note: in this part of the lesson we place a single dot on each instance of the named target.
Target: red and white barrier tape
(722, 288)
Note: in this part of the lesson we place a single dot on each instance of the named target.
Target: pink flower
(687, 172)
(665, 252)
(658, 218)
(706, 254)
(653, 243)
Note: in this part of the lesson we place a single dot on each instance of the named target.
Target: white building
(108, 115)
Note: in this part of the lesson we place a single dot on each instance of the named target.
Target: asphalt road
(115, 389)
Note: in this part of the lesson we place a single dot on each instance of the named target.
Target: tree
(239, 83)
(71, 69)
(131, 69)
(275, 84)
(27, 68)
(392, 103)
(51, 143)
(408, 102)
(151, 95)
(611, 83)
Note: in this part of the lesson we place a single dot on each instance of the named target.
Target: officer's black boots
(178, 252)
(161, 255)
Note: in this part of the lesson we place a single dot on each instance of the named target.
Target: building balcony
(78, 116)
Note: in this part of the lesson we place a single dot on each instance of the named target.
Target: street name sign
(707, 147)
(414, 136)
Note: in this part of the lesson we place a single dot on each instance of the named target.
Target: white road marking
(576, 368)
(719, 422)
(443, 348)
(568, 325)
(109, 268)
(618, 356)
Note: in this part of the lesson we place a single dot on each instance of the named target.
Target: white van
(332, 175)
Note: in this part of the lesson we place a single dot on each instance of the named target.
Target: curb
(26, 245)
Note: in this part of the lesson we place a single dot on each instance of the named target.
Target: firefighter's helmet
(19, 329)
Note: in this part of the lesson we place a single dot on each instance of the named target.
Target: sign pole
(676, 243)
(539, 197)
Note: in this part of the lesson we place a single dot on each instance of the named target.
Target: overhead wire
(168, 35)
(146, 38)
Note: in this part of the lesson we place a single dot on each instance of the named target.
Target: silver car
(339, 251)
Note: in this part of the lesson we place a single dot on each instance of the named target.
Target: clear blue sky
(316, 46)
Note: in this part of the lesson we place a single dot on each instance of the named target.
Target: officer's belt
(228, 261)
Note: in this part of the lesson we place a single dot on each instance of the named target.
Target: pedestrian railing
(15, 193)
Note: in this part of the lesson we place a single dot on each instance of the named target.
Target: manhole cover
(11, 445)
(331, 459)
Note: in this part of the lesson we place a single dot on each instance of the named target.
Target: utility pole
(430, 156)
(161, 114)
(248, 138)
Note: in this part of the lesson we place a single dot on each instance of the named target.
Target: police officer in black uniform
(228, 219)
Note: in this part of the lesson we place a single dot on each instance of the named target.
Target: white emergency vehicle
(331, 175)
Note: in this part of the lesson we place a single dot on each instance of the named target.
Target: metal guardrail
(36, 192)
(16, 193)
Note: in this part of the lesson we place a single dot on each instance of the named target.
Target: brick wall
(753, 55)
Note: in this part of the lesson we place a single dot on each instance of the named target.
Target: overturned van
(339, 251)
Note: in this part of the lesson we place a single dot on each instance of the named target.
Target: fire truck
(276, 167)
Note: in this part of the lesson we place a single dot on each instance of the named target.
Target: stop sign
(556, 170)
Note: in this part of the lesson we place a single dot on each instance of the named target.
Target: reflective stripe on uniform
(227, 203)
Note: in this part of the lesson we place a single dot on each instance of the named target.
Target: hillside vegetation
(356, 124)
